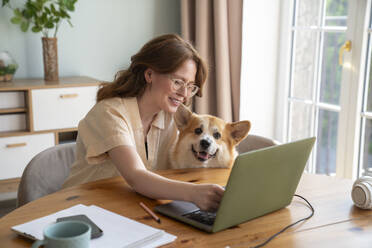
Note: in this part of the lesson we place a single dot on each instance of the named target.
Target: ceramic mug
(65, 234)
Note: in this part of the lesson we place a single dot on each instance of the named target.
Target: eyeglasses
(178, 84)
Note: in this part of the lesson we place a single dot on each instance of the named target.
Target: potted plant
(44, 16)
(8, 67)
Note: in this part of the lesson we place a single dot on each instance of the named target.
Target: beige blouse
(114, 122)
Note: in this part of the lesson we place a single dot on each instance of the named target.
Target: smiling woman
(131, 128)
(164, 93)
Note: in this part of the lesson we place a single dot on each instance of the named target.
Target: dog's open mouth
(202, 155)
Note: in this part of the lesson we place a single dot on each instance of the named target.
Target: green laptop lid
(269, 176)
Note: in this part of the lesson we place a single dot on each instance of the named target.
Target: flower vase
(50, 58)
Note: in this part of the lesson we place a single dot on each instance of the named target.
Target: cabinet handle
(16, 145)
(64, 96)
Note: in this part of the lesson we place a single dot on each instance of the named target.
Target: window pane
(304, 64)
(307, 12)
(336, 13)
(369, 87)
(331, 70)
(326, 142)
(300, 120)
(367, 153)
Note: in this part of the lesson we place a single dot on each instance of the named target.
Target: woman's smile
(175, 101)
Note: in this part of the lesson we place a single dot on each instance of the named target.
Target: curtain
(214, 27)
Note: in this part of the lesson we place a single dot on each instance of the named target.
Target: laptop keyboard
(204, 217)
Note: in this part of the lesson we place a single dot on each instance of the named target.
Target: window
(365, 160)
(324, 98)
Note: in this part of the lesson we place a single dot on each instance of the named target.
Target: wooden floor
(8, 195)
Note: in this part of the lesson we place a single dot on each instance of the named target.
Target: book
(118, 231)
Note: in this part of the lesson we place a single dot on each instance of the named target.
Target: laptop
(260, 182)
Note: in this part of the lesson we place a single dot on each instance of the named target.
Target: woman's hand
(207, 196)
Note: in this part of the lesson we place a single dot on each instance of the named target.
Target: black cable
(285, 228)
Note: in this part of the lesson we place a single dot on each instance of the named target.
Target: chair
(48, 170)
(254, 142)
(46, 173)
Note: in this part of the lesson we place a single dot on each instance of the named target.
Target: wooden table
(336, 223)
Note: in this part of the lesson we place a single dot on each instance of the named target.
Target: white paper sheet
(118, 231)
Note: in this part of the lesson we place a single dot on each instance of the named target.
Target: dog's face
(206, 141)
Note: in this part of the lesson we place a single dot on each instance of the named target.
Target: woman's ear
(148, 73)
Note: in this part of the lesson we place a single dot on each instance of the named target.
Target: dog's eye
(217, 135)
(198, 131)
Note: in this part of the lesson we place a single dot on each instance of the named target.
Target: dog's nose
(204, 143)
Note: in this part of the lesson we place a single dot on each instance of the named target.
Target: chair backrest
(254, 142)
(46, 173)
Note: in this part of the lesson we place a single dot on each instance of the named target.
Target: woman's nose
(182, 91)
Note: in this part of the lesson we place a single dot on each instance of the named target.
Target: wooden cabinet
(35, 115)
(17, 151)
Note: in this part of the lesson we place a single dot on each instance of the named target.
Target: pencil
(151, 213)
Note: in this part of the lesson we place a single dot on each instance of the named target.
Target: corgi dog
(205, 140)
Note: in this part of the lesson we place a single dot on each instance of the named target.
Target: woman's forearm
(145, 182)
(130, 166)
(157, 187)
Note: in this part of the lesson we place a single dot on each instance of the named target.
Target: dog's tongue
(203, 155)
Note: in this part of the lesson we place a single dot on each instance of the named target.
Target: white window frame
(281, 117)
(349, 128)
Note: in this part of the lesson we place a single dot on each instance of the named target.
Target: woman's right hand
(207, 196)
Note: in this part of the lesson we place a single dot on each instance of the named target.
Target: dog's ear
(182, 116)
(239, 130)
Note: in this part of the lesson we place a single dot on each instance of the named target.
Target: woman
(131, 129)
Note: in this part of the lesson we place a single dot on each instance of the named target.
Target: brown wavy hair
(163, 54)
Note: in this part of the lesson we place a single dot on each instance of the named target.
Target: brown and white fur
(205, 140)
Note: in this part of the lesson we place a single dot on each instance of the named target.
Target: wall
(107, 33)
(259, 65)
(104, 36)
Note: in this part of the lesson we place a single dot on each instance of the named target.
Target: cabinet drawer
(16, 152)
(62, 107)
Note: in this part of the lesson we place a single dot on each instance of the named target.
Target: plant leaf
(41, 14)
(27, 13)
(17, 13)
(47, 10)
(24, 26)
(44, 18)
(16, 20)
(70, 6)
(54, 11)
(36, 29)
(62, 13)
(49, 25)
(5, 2)
(34, 5)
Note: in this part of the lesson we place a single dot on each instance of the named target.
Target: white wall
(261, 21)
(105, 35)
